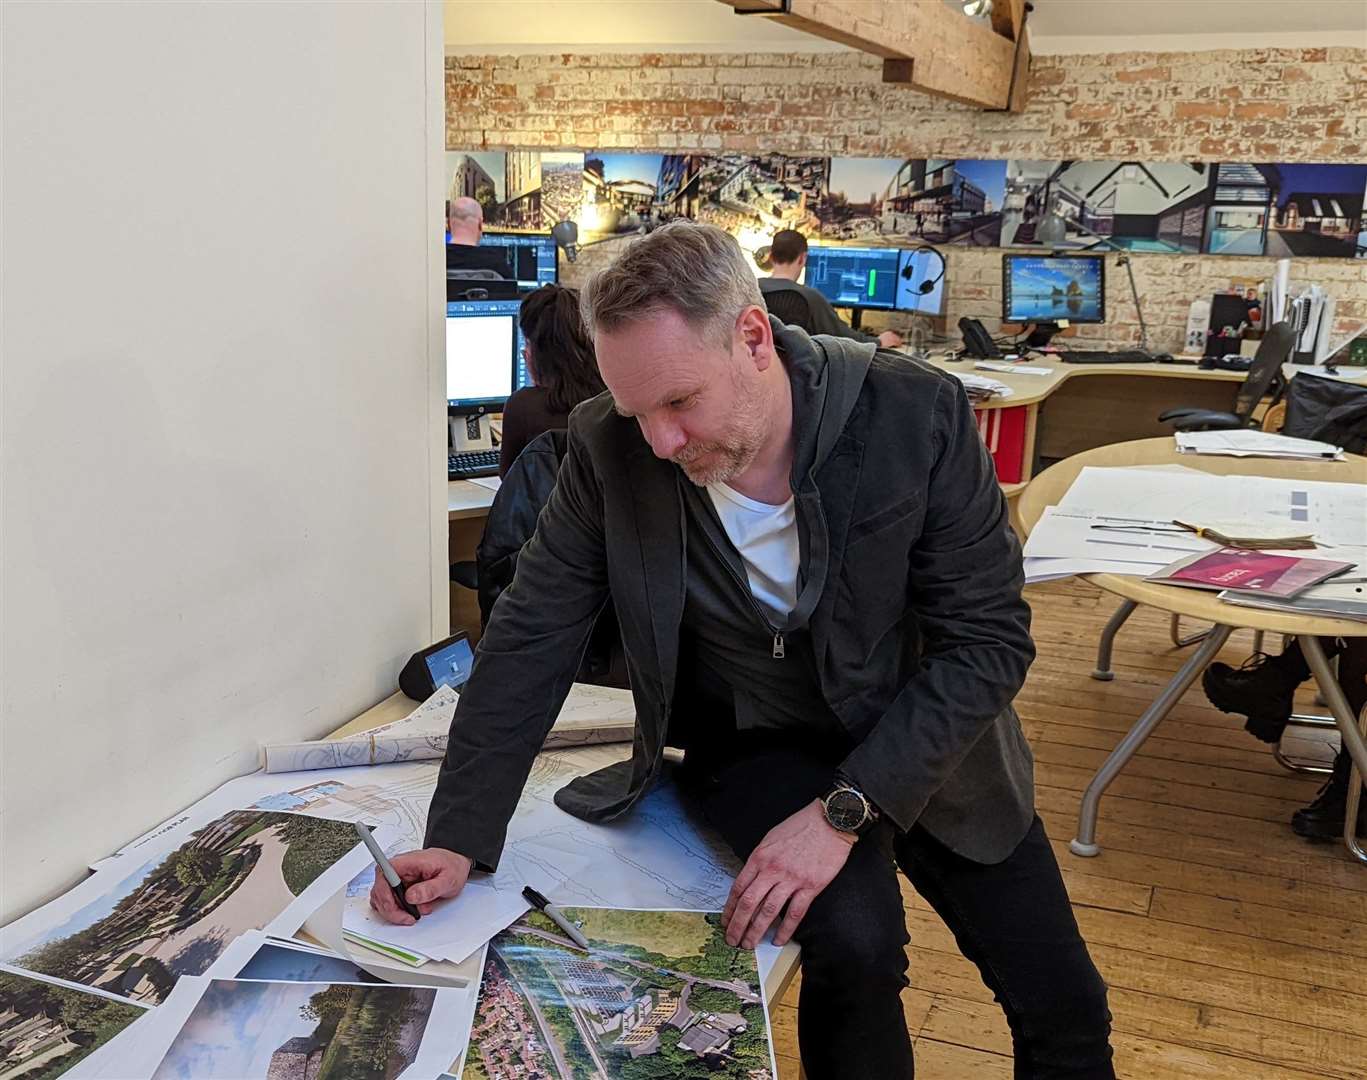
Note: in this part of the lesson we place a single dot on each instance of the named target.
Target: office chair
(479, 285)
(1273, 351)
(790, 306)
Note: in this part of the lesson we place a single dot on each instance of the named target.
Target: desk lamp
(1053, 231)
(566, 237)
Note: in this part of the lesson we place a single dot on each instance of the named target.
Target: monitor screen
(532, 256)
(1053, 288)
(483, 352)
(916, 266)
(854, 277)
(451, 666)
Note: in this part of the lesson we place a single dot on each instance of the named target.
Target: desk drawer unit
(1003, 430)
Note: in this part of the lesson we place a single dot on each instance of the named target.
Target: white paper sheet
(1333, 512)
(1062, 533)
(1012, 369)
(487, 904)
(493, 483)
(1254, 444)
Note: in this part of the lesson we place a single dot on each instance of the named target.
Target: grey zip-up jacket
(920, 632)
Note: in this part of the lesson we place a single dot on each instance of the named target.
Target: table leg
(1085, 842)
(1353, 740)
(1102, 671)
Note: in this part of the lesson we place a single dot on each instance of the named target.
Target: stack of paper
(1121, 520)
(980, 387)
(1255, 444)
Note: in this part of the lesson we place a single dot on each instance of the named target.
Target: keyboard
(1087, 356)
(468, 463)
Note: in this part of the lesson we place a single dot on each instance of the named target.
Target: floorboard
(1232, 948)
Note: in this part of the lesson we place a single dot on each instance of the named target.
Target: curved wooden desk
(1079, 407)
(1049, 487)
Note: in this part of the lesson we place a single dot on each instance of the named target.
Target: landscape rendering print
(46, 1029)
(312, 1031)
(660, 996)
(175, 915)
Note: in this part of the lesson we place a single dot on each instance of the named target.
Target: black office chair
(1263, 378)
(478, 284)
(791, 307)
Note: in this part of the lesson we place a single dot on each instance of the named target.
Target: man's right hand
(428, 875)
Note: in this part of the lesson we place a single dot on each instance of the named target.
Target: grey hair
(698, 271)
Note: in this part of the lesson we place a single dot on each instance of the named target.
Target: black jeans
(1012, 920)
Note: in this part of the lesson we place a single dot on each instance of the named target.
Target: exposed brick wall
(1244, 105)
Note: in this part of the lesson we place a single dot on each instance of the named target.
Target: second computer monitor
(915, 267)
(854, 276)
(532, 256)
(1053, 288)
(484, 355)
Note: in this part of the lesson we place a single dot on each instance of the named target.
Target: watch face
(845, 810)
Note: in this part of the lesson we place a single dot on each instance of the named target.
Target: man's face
(699, 404)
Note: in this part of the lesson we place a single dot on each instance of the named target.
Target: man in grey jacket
(820, 602)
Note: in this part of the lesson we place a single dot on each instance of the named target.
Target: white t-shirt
(766, 537)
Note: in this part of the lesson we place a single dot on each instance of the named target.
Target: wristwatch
(848, 810)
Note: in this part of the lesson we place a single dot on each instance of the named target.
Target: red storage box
(1003, 430)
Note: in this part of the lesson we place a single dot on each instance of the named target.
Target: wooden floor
(1232, 948)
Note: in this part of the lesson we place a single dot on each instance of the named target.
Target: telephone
(977, 341)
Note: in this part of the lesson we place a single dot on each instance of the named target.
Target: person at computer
(820, 600)
(465, 223)
(563, 370)
(788, 256)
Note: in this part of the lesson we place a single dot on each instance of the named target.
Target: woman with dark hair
(562, 366)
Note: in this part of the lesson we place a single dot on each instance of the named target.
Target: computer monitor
(856, 277)
(483, 355)
(532, 256)
(1053, 288)
(915, 267)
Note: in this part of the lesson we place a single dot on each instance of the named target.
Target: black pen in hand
(387, 869)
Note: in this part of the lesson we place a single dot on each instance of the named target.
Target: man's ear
(757, 336)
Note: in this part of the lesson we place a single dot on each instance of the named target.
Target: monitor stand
(471, 432)
(1041, 334)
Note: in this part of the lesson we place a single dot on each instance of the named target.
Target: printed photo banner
(1277, 210)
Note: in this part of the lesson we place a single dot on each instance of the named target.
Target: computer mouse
(1165, 358)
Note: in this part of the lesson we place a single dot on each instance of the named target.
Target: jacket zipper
(779, 651)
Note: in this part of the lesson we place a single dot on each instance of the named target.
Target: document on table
(1255, 444)
(1147, 543)
(1012, 369)
(1333, 512)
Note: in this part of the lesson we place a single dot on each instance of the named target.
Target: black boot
(1323, 818)
(1262, 689)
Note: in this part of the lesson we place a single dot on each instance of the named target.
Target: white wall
(222, 511)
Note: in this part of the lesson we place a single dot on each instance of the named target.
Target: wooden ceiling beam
(1008, 18)
(923, 43)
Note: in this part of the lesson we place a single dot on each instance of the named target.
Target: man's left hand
(796, 860)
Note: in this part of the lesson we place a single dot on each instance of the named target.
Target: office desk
(467, 507)
(397, 706)
(1049, 487)
(1078, 407)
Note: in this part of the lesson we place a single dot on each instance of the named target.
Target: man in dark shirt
(465, 222)
(801, 306)
(819, 596)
